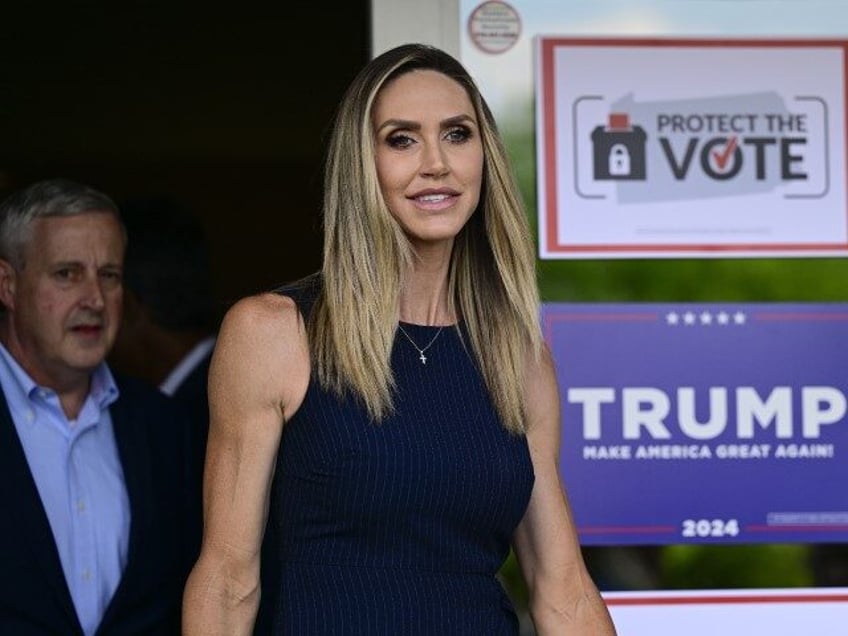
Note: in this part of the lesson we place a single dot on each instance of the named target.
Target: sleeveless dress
(397, 528)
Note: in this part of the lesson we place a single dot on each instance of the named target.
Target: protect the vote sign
(703, 423)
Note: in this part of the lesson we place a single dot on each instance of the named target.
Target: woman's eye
(399, 141)
(458, 135)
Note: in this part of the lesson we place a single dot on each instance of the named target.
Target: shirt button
(30, 415)
(86, 575)
(81, 506)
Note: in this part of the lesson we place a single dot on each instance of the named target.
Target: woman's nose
(434, 163)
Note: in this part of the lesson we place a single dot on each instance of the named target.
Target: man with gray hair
(94, 467)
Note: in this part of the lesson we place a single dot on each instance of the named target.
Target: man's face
(64, 305)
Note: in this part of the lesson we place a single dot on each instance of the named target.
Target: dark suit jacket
(193, 391)
(152, 443)
(192, 396)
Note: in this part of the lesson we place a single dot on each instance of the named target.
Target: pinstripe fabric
(397, 528)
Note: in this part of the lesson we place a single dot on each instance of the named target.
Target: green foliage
(707, 280)
(510, 576)
(742, 566)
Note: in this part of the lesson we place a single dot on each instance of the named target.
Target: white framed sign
(775, 612)
(672, 147)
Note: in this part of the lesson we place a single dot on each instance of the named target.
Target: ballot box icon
(619, 149)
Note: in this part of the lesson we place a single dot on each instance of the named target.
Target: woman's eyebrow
(404, 124)
(407, 124)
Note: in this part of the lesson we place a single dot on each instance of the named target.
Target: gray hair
(48, 198)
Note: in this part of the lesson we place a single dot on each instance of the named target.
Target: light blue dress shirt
(78, 474)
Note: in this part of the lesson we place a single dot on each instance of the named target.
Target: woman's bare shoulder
(267, 311)
(263, 342)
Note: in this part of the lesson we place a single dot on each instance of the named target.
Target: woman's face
(429, 154)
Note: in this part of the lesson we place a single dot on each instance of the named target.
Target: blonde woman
(389, 427)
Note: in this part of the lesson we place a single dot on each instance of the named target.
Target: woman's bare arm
(563, 598)
(258, 376)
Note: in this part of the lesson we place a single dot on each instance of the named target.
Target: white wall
(395, 22)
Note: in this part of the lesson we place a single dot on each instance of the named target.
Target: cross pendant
(422, 357)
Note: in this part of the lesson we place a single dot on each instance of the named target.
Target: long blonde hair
(492, 270)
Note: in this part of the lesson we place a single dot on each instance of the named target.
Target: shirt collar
(103, 389)
(180, 372)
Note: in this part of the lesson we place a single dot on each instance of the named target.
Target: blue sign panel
(703, 423)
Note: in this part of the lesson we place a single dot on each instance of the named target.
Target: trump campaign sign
(691, 147)
(703, 423)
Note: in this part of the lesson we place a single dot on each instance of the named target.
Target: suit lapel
(19, 490)
(133, 450)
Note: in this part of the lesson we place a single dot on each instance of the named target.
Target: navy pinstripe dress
(399, 527)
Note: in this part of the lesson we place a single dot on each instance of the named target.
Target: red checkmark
(721, 158)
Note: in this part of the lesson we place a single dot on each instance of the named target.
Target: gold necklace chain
(421, 351)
